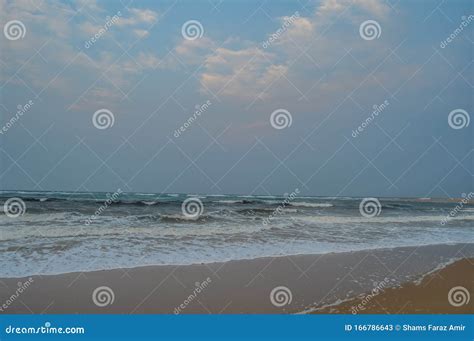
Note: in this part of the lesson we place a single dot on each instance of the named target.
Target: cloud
(241, 73)
(141, 33)
(249, 71)
(90, 5)
(89, 29)
(231, 68)
(148, 61)
(377, 8)
(194, 52)
(56, 28)
(138, 17)
(294, 30)
(300, 30)
(297, 47)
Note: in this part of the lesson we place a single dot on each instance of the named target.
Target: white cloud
(374, 7)
(194, 52)
(235, 68)
(49, 27)
(148, 61)
(294, 30)
(241, 73)
(90, 5)
(141, 33)
(138, 17)
(89, 29)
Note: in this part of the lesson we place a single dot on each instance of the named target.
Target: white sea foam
(52, 235)
(380, 219)
(311, 204)
(229, 202)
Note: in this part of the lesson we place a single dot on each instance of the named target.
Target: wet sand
(245, 286)
(428, 296)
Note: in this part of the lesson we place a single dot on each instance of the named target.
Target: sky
(332, 97)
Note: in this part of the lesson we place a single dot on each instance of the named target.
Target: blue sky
(319, 68)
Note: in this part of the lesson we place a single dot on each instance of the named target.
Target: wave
(179, 218)
(229, 202)
(255, 210)
(149, 203)
(246, 202)
(396, 206)
(391, 219)
(310, 204)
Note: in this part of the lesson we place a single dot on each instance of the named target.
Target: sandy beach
(252, 286)
(427, 296)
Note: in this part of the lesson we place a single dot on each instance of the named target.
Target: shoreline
(263, 258)
(443, 291)
(241, 286)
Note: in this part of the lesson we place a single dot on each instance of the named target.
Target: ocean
(60, 232)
